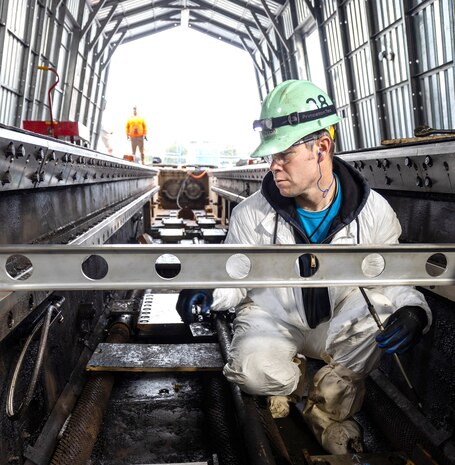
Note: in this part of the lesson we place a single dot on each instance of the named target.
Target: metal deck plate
(156, 357)
(158, 309)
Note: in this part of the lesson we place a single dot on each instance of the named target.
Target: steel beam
(58, 267)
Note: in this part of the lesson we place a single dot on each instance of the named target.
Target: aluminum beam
(208, 266)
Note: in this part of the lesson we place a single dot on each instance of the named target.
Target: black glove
(403, 329)
(145, 137)
(127, 137)
(189, 298)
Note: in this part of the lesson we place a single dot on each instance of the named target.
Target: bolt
(39, 155)
(10, 151)
(428, 161)
(20, 151)
(6, 178)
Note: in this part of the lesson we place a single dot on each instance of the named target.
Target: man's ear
(324, 146)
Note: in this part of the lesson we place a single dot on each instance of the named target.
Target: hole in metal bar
(95, 267)
(19, 267)
(436, 264)
(238, 266)
(167, 266)
(373, 265)
(308, 265)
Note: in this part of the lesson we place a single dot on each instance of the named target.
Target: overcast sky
(187, 86)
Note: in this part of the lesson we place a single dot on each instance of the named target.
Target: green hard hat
(294, 109)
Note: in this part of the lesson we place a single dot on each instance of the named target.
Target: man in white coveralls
(309, 196)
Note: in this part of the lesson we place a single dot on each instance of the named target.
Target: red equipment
(69, 130)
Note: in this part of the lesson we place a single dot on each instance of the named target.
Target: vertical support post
(414, 93)
(348, 71)
(26, 65)
(376, 71)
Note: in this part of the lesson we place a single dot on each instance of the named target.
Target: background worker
(310, 196)
(136, 131)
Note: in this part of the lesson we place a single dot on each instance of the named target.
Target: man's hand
(145, 137)
(403, 330)
(127, 137)
(189, 298)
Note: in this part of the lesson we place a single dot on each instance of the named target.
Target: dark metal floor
(154, 418)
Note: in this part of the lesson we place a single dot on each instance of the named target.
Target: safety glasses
(282, 159)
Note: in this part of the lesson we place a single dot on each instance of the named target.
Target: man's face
(134, 111)
(295, 170)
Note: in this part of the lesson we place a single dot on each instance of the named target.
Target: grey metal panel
(73, 7)
(340, 89)
(361, 71)
(392, 56)
(387, 13)
(394, 81)
(14, 50)
(432, 23)
(302, 11)
(434, 62)
(345, 133)
(333, 39)
(16, 19)
(328, 8)
(287, 22)
(362, 74)
(369, 125)
(398, 114)
(357, 23)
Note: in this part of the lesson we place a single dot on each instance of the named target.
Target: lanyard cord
(275, 231)
(327, 212)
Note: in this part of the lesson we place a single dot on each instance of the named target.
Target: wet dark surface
(159, 418)
(153, 418)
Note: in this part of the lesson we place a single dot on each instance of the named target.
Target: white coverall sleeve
(388, 231)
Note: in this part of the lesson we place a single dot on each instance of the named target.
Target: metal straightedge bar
(62, 267)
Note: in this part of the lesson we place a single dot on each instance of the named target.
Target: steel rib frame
(205, 266)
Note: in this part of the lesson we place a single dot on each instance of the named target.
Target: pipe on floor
(256, 442)
(77, 442)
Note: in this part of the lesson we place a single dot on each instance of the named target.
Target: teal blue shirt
(317, 224)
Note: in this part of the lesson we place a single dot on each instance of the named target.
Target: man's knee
(259, 374)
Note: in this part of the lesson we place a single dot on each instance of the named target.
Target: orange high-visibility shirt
(136, 127)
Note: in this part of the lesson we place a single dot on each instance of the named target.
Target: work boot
(342, 438)
(336, 395)
(279, 406)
